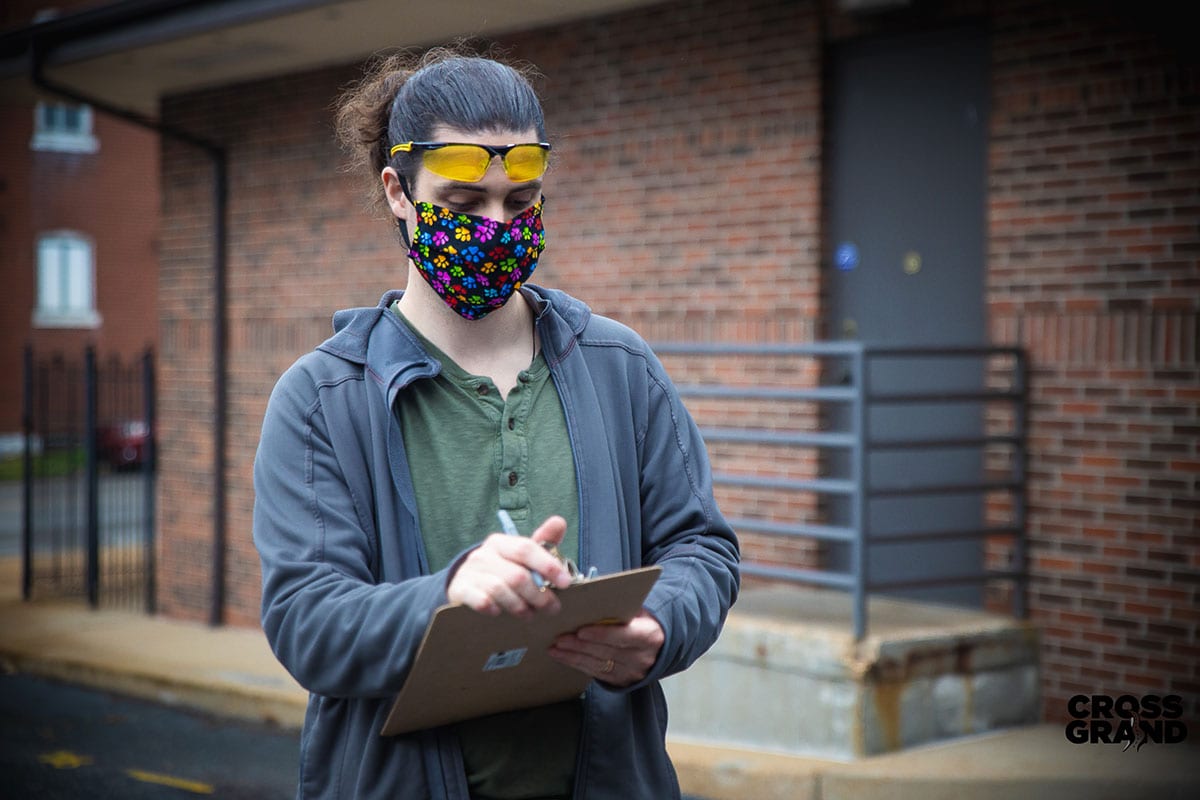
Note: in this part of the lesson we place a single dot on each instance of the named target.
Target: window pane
(63, 127)
(79, 279)
(49, 278)
(66, 274)
(71, 118)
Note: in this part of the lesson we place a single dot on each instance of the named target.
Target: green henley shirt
(471, 453)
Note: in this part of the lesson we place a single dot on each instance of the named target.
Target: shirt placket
(514, 454)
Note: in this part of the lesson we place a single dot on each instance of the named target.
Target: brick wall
(301, 244)
(112, 197)
(1094, 212)
(45, 191)
(685, 200)
(17, 267)
(645, 97)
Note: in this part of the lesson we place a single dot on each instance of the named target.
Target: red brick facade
(1094, 213)
(301, 243)
(688, 205)
(688, 150)
(110, 196)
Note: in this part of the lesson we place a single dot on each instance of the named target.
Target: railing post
(92, 478)
(859, 509)
(27, 477)
(148, 472)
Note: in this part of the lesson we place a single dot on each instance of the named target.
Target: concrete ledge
(226, 671)
(839, 787)
(1031, 762)
(787, 676)
(231, 701)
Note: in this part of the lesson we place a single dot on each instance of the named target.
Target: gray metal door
(906, 166)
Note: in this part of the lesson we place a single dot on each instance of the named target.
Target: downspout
(217, 155)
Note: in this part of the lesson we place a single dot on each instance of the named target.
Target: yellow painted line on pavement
(65, 759)
(195, 787)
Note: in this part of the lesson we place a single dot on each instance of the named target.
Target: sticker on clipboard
(504, 659)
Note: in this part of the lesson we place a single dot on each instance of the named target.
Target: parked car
(124, 445)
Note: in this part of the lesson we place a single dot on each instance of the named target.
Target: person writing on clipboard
(386, 453)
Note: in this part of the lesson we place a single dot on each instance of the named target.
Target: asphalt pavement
(62, 741)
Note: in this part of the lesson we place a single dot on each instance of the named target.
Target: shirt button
(523, 378)
(512, 423)
(512, 479)
(483, 390)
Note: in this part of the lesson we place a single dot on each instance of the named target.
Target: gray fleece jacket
(347, 592)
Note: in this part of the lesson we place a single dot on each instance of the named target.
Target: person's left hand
(620, 655)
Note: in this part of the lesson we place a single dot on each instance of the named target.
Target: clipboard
(471, 665)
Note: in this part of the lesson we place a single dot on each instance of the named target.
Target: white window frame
(51, 137)
(65, 281)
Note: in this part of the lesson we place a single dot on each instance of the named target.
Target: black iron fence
(88, 479)
(876, 495)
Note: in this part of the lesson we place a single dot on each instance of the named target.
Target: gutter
(217, 154)
(114, 26)
(168, 20)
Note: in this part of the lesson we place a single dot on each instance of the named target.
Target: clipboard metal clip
(573, 571)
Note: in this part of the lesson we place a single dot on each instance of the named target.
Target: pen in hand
(506, 524)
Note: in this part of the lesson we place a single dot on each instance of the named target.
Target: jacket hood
(352, 326)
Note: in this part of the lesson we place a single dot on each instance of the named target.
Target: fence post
(91, 476)
(27, 478)
(149, 466)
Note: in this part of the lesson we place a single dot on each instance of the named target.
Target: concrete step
(787, 676)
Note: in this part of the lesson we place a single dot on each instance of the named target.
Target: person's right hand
(494, 577)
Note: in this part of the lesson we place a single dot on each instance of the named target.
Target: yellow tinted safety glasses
(469, 162)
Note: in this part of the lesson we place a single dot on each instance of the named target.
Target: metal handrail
(851, 349)
(778, 438)
(855, 393)
(834, 580)
(824, 393)
(941, 444)
(829, 533)
(924, 536)
(825, 485)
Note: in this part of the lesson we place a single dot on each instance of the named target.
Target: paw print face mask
(476, 263)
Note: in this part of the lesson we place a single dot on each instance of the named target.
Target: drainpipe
(217, 155)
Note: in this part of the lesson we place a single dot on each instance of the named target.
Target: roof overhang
(132, 53)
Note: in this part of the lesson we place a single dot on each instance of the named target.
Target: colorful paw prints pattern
(475, 263)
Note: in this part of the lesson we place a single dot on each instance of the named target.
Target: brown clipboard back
(471, 665)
